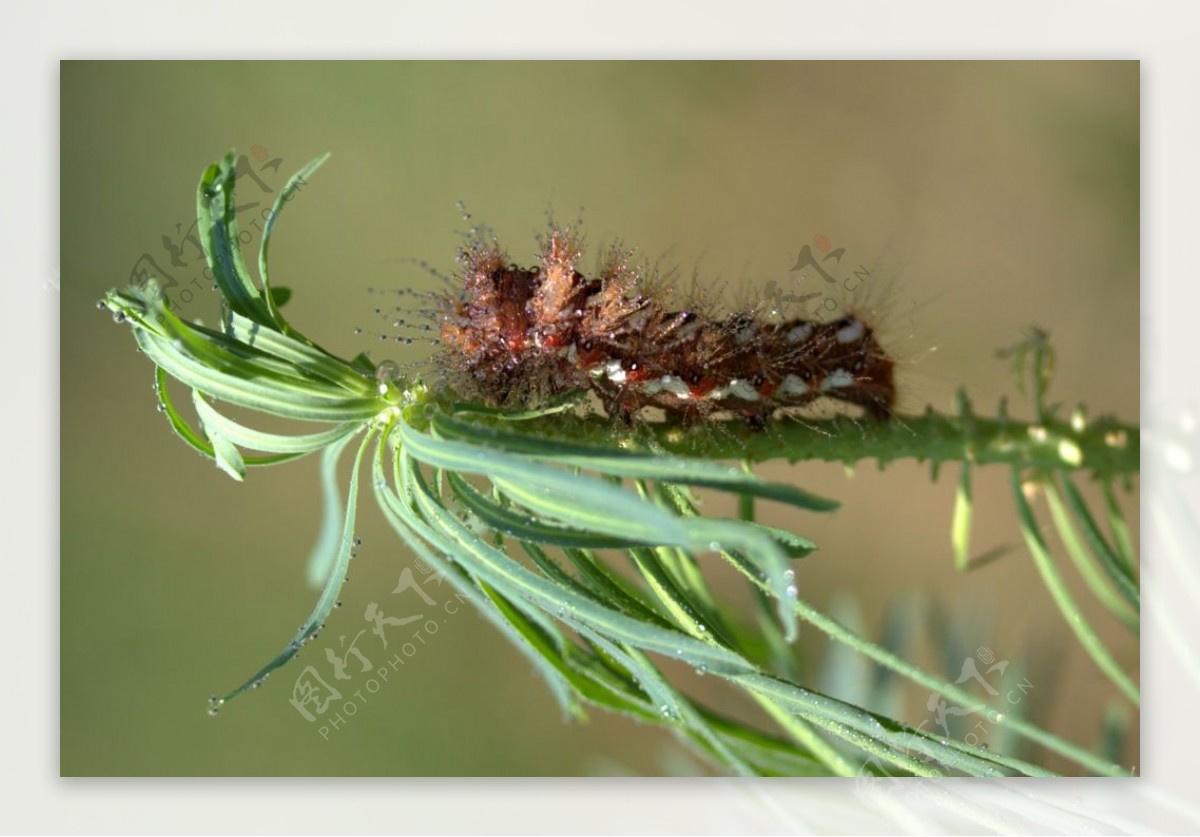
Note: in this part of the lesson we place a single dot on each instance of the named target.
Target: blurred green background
(986, 197)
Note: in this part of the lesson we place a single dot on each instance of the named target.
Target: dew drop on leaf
(385, 374)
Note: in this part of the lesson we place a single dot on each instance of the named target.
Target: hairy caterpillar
(513, 336)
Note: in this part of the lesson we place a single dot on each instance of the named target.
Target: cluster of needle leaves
(528, 514)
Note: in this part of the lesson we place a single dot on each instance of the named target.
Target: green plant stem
(804, 735)
(835, 630)
(1121, 576)
(1066, 604)
(1104, 447)
(1092, 575)
(947, 690)
(1120, 529)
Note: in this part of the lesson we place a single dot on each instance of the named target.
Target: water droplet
(792, 591)
(387, 371)
(701, 671)
(1069, 452)
(386, 374)
(118, 317)
(789, 575)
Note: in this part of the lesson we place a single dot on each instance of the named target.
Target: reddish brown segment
(520, 336)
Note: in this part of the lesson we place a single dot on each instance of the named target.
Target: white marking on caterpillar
(675, 385)
(742, 389)
(800, 332)
(838, 378)
(852, 332)
(793, 385)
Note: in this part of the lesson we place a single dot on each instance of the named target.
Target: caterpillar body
(514, 336)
